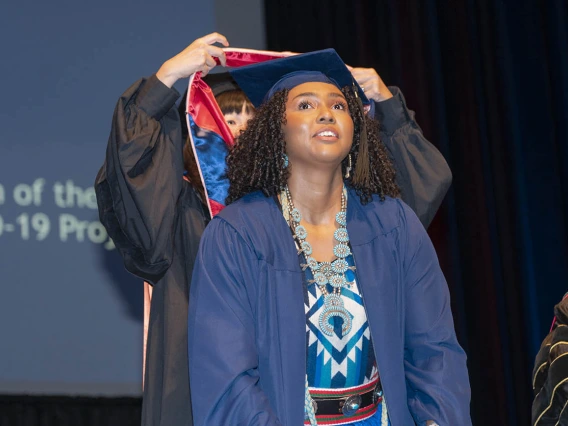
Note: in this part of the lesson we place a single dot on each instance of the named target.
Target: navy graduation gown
(247, 324)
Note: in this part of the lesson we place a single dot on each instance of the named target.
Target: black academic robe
(550, 374)
(156, 220)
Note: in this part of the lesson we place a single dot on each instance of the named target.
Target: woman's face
(237, 122)
(319, 128)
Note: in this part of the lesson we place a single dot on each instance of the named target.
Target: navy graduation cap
(261, 80)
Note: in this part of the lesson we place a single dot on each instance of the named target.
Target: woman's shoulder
(389, 207)
(384, 215)
(253, 216)
(256, 221)
(255, 204)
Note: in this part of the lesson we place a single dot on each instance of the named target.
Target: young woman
(316, 293)
(156, 217)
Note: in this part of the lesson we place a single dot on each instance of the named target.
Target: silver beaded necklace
(324, 273)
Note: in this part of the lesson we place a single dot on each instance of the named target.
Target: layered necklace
(325, 274)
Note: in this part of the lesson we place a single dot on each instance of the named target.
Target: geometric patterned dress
(340, 362)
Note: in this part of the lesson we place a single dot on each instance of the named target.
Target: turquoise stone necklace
(326, 273)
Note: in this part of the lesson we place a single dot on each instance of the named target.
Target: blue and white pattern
(338, 361)
(338, 357)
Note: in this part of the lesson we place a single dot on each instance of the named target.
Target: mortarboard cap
(259, 81)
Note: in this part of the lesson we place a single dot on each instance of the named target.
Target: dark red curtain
(489, 82)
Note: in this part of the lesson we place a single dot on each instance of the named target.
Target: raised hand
(371, 83)
(198, 56)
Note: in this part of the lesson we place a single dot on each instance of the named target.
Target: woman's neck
(317, 194)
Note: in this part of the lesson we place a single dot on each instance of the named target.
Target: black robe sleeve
(422, 172)
(139, 185)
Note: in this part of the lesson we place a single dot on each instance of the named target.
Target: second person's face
(237, 122)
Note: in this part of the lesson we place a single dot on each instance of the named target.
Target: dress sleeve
(434, 362)
(223, 356)
(141, 179)
(422, 172)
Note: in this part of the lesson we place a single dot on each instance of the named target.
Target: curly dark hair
(257, 161)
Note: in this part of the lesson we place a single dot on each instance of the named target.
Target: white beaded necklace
(324, 273)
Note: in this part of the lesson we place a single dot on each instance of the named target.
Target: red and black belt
(335, 407)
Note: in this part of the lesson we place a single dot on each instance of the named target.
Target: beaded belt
(341, 406)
